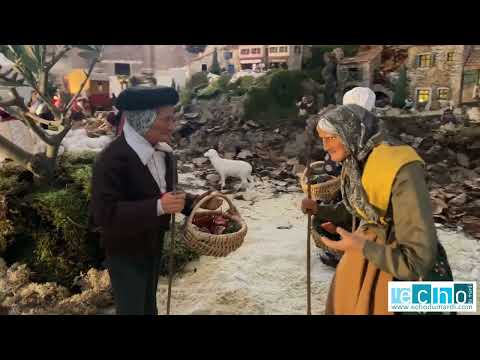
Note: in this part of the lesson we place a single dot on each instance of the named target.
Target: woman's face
(333, 145)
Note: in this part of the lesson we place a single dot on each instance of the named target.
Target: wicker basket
(210, 244)
(320, 244)
(324, 191)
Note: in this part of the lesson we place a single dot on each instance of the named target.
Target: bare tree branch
(56, 113)
(57, 57)
(39, 131)
(44, 54)
(59, 137)
(92, 65)
(12, 81)
(29, 119)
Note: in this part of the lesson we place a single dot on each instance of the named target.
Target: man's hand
(173, 203)
(348, 241)
(309, 206)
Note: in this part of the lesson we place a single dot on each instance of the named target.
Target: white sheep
(234, 168)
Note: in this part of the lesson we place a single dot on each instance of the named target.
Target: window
(450, 55)
(354, 74)
(469, 77)
(423, 95)
(425, 60)
(204, 67)
(227, 55)
(245, 51)
(283, 49)
(122, 69)
(298, 49)
(273, 49)
(443, 93)
(256, 51)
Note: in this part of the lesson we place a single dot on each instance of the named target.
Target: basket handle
(306, 169)
(208, 198)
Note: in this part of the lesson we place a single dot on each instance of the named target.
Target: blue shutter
(433, 59)
(417, 61)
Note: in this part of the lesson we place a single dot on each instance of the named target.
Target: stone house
(444, 74)
(287, 56)
(251, 56)
(435, 74)
(227, 55)
(360, 70)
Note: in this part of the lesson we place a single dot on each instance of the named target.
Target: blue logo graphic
(432, 296)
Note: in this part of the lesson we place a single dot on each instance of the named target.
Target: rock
(264, 173)
(250, 196)
(18, 275)
(229, 155)
(438, 206)
(3, 268)
(458, 111)
(293, 161)
(458, 200)
(213, 179)
(280, 174)
(409, 139)
(393, 112)
(438, 168)
(252, 124)
(245, 154)
(475, 145)
(190, 116)
(298, 169)
(463, 160)
(471, 224)
(186, 168)
(199, 161)
(473, 114)
(293, 189)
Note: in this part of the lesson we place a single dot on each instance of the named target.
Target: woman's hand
(349, 241)
(309, 206)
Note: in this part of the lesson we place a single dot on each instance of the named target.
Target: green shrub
(285, 87)
(186, 95)
(258, 101)
(197, 81)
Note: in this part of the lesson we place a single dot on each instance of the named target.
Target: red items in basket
(217, 224)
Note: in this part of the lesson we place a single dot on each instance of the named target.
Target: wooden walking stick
(309, 194)
(172, 237)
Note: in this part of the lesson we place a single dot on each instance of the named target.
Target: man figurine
(132, 199)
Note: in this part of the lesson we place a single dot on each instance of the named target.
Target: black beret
(144, 98)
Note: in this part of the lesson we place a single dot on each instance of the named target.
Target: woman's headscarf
(360, 131)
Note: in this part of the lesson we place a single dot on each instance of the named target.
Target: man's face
(162, 128)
